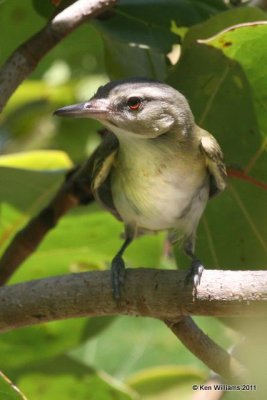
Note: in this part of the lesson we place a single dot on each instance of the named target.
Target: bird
(156, 168)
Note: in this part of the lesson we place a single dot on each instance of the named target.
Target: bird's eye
(134, 103)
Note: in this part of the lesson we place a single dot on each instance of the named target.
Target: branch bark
(154, 293)
(147, 292)
(206, 350)
(25, 58)
(74, 191)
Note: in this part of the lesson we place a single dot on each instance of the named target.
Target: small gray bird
(156, 169)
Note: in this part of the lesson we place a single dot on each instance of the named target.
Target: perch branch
(25, 58)
(153, 293)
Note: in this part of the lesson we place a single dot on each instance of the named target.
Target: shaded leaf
(63, 378)
(166, 382)
(138, 35)
(225, 100)
(24, 346)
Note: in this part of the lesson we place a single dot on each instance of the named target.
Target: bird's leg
(118, 269)
(195, 272)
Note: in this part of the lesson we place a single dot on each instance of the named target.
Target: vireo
(156, 169)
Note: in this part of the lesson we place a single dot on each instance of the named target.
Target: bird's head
(136, 107)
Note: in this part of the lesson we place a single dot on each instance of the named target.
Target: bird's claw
(194, 274)
(117, 276)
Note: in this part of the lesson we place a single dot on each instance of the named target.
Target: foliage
(220, 70)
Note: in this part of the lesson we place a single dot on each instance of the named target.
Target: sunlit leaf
(37, 160)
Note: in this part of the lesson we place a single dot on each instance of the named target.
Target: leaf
(222, 21)
(226, 90)
(139, 344)
(63, 378)
(8, 391)
(22, 194)
(27, 189)
(137, 35)
(96, 325)
(87, 238)
(163, 382)
(37, 160)
(48, 8)
(25, 346)
(238, 43)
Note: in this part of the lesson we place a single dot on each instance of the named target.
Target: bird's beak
(95, 108)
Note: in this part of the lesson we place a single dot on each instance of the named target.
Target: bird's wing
(214, 160)
(103, 159)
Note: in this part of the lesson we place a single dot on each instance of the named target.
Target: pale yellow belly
(161, 201)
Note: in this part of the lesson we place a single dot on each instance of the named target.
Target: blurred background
(222, 72)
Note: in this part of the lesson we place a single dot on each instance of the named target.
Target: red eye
(134, 103)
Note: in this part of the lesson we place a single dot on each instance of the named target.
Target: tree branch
(205, 349)
(154, 293)
(25, 58)
(74, 191)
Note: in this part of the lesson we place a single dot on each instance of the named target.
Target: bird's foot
(194, 274)
(117, 276)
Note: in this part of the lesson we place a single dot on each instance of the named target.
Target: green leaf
(22, 194)
(222, 21)
(48, 8)
(137, 35)
(95, 325)
(134, 45)
(166, 382)
(63, 378)
(38, 159)
(139, 344)
(8, 391)
(226, 89)
(27, 190)
(156, 15)
(238, 43)
(24, 346)
(125, 60)
(87, 238)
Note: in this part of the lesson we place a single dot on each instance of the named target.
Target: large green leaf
(247, 45)
(137, 34)
(62, 378)
(139, 344)
(226, 89)
(28, 345)
(222, 21)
